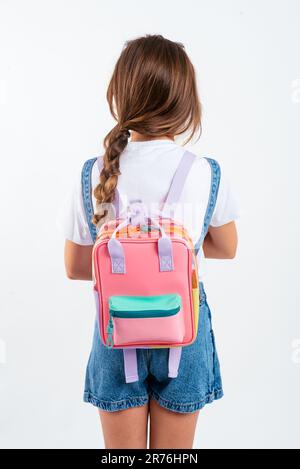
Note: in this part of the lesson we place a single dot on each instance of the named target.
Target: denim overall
(199, 379)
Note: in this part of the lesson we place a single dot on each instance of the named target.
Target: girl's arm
(78, 261)
(221, 242)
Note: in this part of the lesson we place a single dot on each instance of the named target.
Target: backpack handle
(127, 222)
(117, 256)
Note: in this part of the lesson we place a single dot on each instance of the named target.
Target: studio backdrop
(56, 61)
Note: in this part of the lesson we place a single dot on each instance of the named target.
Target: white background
(56, 61)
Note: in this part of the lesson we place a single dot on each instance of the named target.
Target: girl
(153, 97)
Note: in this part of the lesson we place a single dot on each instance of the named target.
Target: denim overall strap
(86, 186)
(214, 188)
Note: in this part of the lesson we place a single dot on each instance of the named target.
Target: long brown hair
(152, 91)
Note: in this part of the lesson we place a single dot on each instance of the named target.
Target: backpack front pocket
(137, 320)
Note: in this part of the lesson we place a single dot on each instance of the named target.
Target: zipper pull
(110, 331)
(149, 228)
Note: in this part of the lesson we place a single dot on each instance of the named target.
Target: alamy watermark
(2, 352)
(295, 357)
(295, 91)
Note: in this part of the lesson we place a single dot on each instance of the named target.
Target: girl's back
(147, 168)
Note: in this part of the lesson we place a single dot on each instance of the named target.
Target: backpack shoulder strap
(179, 178)
(86, 188)
(212, 199)
(130, 365)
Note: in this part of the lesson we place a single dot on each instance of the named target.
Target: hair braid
(114, 143)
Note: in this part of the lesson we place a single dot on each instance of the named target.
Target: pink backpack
(145, 277)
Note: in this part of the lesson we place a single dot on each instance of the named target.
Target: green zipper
(110, 333)
(144, 314)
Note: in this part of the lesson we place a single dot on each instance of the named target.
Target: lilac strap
(130, 365)
(174, 360)
(116, 202)
(165, 253)
(179, 178)
(117, 257)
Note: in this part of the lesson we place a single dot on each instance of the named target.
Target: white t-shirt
(147, 169)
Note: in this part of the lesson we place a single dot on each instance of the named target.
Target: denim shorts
(198, 382)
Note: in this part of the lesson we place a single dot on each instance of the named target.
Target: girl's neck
(137, 137)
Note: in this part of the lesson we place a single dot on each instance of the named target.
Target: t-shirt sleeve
(226, 208)
(71, 218)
